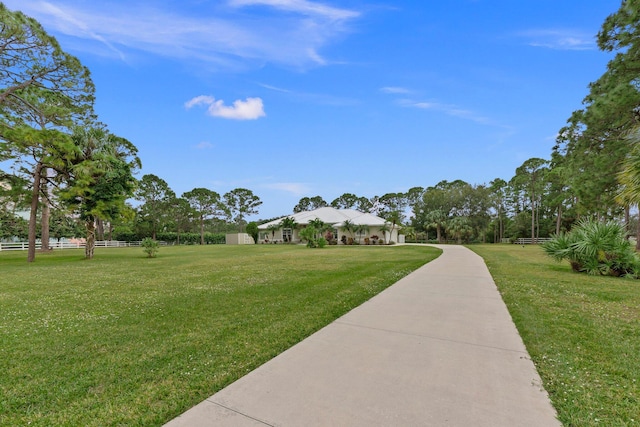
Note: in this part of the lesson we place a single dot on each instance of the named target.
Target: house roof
(329, 215)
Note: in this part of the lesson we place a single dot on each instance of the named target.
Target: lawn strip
(582, 332)
(128, 340)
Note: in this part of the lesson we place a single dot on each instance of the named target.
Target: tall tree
(99, 178)
(364, 205)
(182, 213)
(310, 204)
(530, 179)
(207, 204)
(345, 201)
(414, 196)
(32, 58)
(497, 188)
(241, 203)
(440, 203)
(594, 141)
(477, 211)
(43, 92)
(156, 197)
(630, 179)
(391, 202)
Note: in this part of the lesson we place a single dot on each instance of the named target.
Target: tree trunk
(538, 220)
(91, 238)
(627, 221)
(44, 224)
(99, 229)
(559, 220)
(438, 233)
(638, 233)
(202, 230)
(533, 220)
(33, 216)
(46, 211)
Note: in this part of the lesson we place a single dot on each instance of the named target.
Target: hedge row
(172, 238)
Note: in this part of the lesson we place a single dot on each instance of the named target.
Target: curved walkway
(438, 348)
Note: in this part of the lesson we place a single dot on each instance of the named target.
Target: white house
(367, 226)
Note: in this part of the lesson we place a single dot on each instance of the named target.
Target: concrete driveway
(438, 348)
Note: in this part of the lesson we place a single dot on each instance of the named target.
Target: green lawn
(583, 333)
(125, 340)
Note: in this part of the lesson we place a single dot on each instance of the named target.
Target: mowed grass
(125, 340)
(582, 332)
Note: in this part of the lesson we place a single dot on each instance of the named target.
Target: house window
(287, 234)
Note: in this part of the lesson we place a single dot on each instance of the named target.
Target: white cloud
(289, 187)
(275, 88)
(316, 98)
(70, 23)
(199, 100)
(450, 110)
(204, 145)
(250, 109)
(225, 35)
(394, 90)
(559, 39)
(301, 6)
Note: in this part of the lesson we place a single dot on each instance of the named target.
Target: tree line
(66, 167)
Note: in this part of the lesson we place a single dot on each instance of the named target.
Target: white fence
(529, 240)
(23, 246)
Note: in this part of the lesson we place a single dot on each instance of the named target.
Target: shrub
(191, 238)
(597, 248)
(310, 234)
(149, 246)
(252, 230)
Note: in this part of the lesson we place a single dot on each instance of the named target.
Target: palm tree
(386, 228)
(437, 218)
(410, 232)
(291, 224)
(360, 230)
(319, 225)
(349, 227)
(272, 228)
(597, 248)
(629, 178)
(394, 217)
(459, 227)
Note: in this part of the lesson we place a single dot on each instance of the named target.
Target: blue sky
(294, 98)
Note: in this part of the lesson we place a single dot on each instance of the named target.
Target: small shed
(238, 239)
